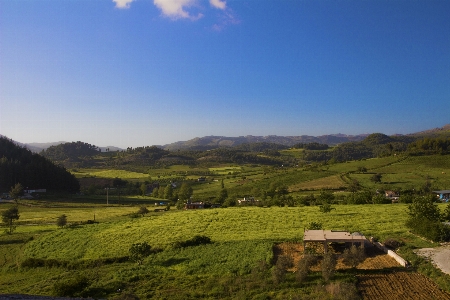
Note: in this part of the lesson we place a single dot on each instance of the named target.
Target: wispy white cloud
(220, 4)
(176, 9)
(225, 19)
(123, 3)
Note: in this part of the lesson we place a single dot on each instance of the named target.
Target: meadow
(242, 237)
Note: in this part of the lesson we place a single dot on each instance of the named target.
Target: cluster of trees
(430, 146)
(18, 164)
(425, 219)
(72, 151)
(379, 145)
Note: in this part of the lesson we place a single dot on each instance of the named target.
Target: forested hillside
(20, 165)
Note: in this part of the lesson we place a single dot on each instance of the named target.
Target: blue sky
(151, 72)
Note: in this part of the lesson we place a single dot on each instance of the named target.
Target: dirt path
(440, 257)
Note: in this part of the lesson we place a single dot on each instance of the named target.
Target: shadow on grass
(173, 261)
(12, 242)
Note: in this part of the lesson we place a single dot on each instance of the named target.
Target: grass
(241, 238)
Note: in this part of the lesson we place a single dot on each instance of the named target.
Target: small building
(444, 195)
(329, 236)
(393, 195)
(194, 205)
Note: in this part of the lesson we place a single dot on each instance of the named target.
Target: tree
(446, 213)
(328, 266)
(325, 197)
(354, 186)
(143, 189)
(376, 178)
(223, 195)
(304, 266)
(353, 256)
(424, 207)
(61, 221)
(168, 191)
(326, 208)
(143, 210)
(279, 271)
(16, 191)
(185, 192)
(161, 192)
(139, 251)
(8, 217)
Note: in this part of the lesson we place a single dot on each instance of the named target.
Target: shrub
(139, 251)
(328, 266)
(61, 221)
(314, 226)
(392, 243)
(142, 210)
(303, 267)
(72, 287)
(353, 256)
(279, 271)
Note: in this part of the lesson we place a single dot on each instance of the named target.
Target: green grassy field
(241, 237)
(398, 172)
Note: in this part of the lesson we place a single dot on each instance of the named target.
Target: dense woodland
(19, 165)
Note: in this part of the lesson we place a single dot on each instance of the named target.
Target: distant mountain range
(212, 142)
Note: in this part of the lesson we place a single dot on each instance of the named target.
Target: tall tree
(185, 192)
(16, 191)
(9, 216)
(168, 192)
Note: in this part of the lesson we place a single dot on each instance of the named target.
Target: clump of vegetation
(139, 251)
(280, 269)
(353, 256)
(61, 221)
(314, 226)
(393, 243)
(8, 218)
(328, 266)
(73, 287)
(195, 241)
(424, 218)
(303, 267)
(143, 211)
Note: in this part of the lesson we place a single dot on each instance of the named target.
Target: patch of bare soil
(399, 285)
(439, 256)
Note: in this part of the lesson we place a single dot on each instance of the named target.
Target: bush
(139, 251)
(393, 244)
(61, 221)
(328, 266)
(314, 226)
(73, 287)
(279, 271)
(353, 256)
(304, 266)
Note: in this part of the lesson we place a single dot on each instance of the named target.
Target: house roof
(331, 236)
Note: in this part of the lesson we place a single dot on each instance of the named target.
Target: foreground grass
(225, 269)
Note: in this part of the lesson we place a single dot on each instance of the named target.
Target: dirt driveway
(439, 256)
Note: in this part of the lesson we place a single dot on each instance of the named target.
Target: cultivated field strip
(399, 286)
